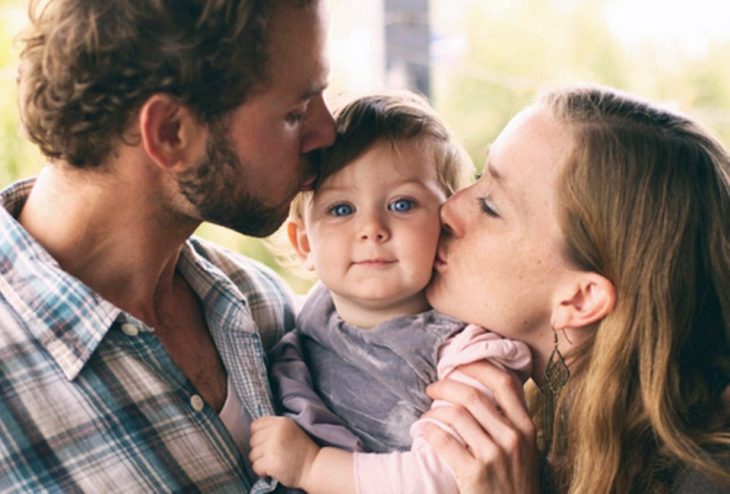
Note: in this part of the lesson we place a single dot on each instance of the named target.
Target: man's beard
(217, 188)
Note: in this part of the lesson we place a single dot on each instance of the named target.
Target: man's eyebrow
(314, 90)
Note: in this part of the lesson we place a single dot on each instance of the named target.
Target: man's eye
(341, 210)
(401, 205)
(295, 117)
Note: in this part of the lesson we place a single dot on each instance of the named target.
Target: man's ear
(584, 299)
(300, 241)
(171, 135)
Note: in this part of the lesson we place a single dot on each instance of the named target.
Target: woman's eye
(487, 208)
(401, 205)
(341, 210)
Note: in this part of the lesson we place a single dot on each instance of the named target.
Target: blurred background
(479, 62)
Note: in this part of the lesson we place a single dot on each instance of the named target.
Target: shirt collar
(64, 315)
(220, 296)
(70, 319)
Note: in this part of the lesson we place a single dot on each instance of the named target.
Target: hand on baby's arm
(280, 449)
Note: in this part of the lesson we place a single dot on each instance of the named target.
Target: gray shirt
(372, 380)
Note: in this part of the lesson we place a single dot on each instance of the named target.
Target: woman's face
(501, 260)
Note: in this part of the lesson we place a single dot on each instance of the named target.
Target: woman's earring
(556, 375)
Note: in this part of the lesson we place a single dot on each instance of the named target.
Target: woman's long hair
(645, 201)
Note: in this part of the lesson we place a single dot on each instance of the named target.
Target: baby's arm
(280, 449)
(419, 470)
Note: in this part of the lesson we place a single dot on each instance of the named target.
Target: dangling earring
(556, 375)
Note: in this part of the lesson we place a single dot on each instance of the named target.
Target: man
(131, 356)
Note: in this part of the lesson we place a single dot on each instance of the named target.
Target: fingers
(508, 395)
(264, 422)
(282, 450)
(257, 434)
(499, 454)
(470, 473)
(258, 451)
(448, 447)
(265, 442)
(496, 456)
(475, 438)
(472, 415)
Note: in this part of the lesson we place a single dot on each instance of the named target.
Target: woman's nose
(451, 224)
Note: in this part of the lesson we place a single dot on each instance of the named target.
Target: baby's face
(373, 228)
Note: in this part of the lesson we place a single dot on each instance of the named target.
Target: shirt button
(197, 403)
(130, 329)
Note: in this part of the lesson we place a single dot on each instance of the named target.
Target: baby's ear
(582, 300)
(300, 241)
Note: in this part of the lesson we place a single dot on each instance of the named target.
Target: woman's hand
(500, 455)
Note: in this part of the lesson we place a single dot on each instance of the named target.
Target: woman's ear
(583, 300)
(299, 239)
(171, 135)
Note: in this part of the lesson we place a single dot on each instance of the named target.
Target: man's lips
(439, 262)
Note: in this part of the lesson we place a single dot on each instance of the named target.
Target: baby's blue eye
(401, 205)
(341, 210)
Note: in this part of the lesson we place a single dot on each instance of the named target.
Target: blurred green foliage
(517, 47)
(511, 51)
(18, 157)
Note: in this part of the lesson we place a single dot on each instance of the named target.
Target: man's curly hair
(87, 66)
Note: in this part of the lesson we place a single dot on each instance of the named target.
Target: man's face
(258, 160)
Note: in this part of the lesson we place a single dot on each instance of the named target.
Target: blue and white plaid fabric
(90, 401)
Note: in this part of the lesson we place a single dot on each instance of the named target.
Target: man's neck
(106, 232)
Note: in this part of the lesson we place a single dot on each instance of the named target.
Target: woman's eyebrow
(493, 171)
(489, 167)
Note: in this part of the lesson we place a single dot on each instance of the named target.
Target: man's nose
(320, 132)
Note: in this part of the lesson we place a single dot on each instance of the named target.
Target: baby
(353, 374)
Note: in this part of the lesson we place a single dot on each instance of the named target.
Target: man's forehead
(297, 54)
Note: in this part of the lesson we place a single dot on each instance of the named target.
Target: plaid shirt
(89, 398)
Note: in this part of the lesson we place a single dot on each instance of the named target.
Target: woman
(600, 236)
